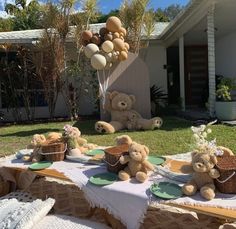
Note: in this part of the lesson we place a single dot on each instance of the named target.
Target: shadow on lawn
(29, 132)
(169, 124)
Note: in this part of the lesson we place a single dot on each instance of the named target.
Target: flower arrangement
(71, 134)
(200, 142)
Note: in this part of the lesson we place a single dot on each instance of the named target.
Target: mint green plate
(156, 160)
(166, 190)
(40, 165)
(94, 152)
(102, 179)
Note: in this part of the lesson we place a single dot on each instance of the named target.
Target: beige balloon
(123, 31)
(116, 35)
(127, 46)
(115, 56)
(108, 66)
(113, 24)
(108, 57)
(90, 50)
(123, 56)
(108, 37)
(118, 44)
(107, 46)
(98, 61)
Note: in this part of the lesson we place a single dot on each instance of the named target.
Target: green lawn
(174, 136)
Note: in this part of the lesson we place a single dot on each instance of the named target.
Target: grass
(174, 136)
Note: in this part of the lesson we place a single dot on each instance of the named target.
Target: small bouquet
(200, 142)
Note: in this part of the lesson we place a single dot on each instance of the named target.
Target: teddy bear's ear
(146, 150)
(113, 94)
(133, 99)
(193, 154)
(213, 159)
(123, 139)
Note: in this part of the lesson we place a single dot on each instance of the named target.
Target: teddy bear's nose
(122, 103)
(199, 165)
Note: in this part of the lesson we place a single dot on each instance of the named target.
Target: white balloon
(107, 46)
(90, 50)
(98, 61)
(108, 66)
(108, 56)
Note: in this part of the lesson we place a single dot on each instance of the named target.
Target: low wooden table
(221, 213)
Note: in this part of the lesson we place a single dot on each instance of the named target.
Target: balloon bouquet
(105, 49)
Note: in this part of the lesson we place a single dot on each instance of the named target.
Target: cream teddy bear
(138, 165)
(120, 106)
(203, 175)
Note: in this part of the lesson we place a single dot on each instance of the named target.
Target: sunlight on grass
(174, 136)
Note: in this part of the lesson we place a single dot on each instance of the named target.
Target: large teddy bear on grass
(123, 116)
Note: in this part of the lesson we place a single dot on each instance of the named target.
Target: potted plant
(225, 104)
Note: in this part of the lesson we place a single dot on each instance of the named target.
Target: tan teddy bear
(135, 122)
(203, 177)
(137, 165)
(37, 141)
(123, 116)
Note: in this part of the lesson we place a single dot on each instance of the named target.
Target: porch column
(211, 59)
(181, 72)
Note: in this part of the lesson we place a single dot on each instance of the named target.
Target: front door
(196, 75)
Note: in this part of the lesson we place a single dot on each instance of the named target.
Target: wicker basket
(226, 183)
(4, 187)
(54, 151)
(112, 156)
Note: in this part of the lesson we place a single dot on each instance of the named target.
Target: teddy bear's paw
(123, 175)
(141, 176)
(208, 193)
(214, 173)
(156, 123)
(104, 127)
(189, 189)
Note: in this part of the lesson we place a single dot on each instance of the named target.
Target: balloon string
(104, 89)
(100, 84)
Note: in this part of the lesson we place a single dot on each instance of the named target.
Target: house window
(30, 88)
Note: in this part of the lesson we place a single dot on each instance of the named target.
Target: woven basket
(4, 187)
(226, 183)
(54, 151)
(112, 156)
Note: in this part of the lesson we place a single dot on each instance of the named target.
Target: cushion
(68, 222)
(23, 215)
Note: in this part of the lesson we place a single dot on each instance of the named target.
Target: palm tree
(25, 16)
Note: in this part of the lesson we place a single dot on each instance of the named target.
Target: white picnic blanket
(126, 200)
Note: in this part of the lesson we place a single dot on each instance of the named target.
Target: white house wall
(155, 60)
(226, 55)
(40, 112)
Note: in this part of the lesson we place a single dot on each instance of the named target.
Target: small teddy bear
(37, 141)
(137, 165)
(203, 175)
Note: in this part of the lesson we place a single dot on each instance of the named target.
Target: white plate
(23, 152)
(83, 159)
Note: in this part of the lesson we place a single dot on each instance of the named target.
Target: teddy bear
(37, 141)
(135, 122)
(75, 143)
(123, 116)
(138, 165)
(203, 175)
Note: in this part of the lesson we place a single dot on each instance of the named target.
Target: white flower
(209, 131)
(202, 127)
(196, 137)
(204, 134)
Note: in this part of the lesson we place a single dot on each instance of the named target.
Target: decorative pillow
(23, 215)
